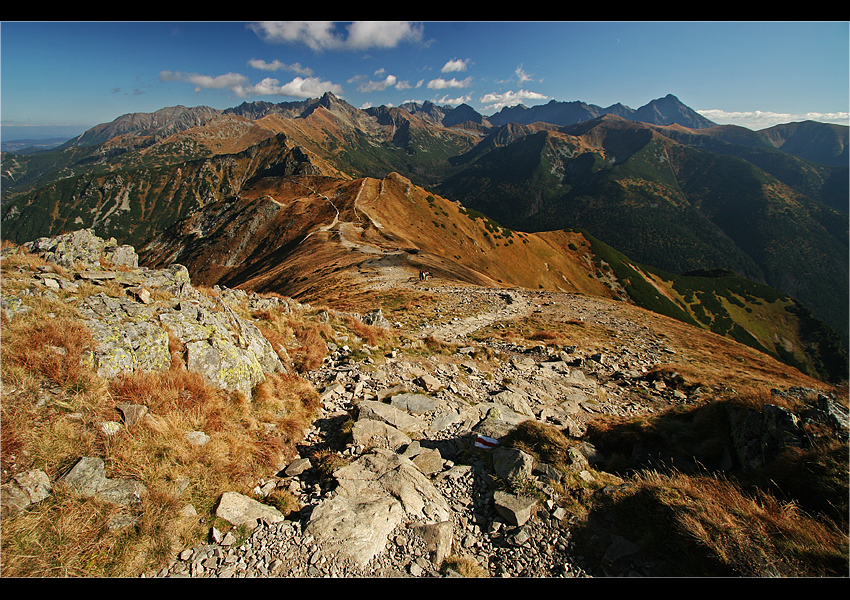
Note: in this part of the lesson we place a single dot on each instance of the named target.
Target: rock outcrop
(133, 332)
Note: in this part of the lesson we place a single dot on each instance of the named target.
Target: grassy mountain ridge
(322, 238)
(667, 196)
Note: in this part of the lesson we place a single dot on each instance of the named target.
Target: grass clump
(465, 566)
(709, 526)
(695, 512)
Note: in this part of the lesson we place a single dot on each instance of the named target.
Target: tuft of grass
(465, 566)
(371, 333)
(710, 526)
(788, 519)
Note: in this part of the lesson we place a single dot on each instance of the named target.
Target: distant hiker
(424, 275)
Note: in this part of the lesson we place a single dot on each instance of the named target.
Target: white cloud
(522, 76)
(299, 87)
(758, 119)
(509, 98)
(454, 66)
(276, 65)
(446, 100)
(378, 86)
(442, 84)
(203, 82)
(323, 35)
(310, 87)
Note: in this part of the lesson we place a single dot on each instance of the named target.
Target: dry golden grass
(53, 406)
(788, 519)
(709, 526)
(465, 566)
(372, 334)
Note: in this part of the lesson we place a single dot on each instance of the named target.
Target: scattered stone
(197, 438)
(516, 509)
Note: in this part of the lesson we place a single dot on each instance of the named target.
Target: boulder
(512, 464)
(24, 489)
(517, 510)
(371, 434)
(382, 473)
(353, 528)
(438, 539)
(375, 494)
(408, 424)
(83, 248)
(376, 318)
(416, 404)
(88, 479)
(238, 509)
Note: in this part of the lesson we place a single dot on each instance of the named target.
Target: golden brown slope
(301, 236)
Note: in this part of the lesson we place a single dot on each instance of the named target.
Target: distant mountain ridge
(674, 197)
(662, 111)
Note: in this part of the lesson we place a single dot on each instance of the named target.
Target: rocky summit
(427, 476)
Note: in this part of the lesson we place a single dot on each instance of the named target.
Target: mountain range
(738, 231)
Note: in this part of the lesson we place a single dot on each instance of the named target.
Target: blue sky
(755, 74)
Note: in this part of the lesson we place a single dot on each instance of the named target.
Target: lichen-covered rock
(127, 335)
(132, 332)
(83, 248)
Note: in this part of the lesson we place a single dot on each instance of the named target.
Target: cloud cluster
(299, 87)
(381, 85)
(509, 98)
(442, 84)
(758, 119)
(323, 35)
(454, 66)
(276, 65)
(204, 82)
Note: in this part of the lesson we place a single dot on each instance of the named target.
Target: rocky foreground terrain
(421, 474)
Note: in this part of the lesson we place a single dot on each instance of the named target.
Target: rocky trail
(421, 473)
(423, 416)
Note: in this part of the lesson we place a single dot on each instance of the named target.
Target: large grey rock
(427, 460)
(238, 509)
(24, 489)
(376, 318)
(132, 333)
(371, 434)
(375, 493)
(128, 339)
(84, 248)
(88, 479)
(229, 352)
(438, 538)
(355, 528)
(383, 472)
(416, 404)
(515, 401)
(759, 436)
(512, 464)
(517, 510)
(410, 425)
